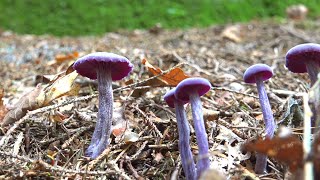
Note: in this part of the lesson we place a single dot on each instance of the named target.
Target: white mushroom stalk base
(184, 142)
(100, 137)
(203, 162)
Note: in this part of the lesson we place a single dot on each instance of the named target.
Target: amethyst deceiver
(184, 135)
(105, 67)
(304, 58)
(191, 89)
(257, 74)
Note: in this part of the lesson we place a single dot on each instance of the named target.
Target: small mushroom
(257, 74)
(191, 89)
(304, 58)
(105, 67)
(184, 135)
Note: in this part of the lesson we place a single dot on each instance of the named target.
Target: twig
(234, 130)
(75, 135)
(163, 146)
(191, 65)
(94, 162)
(291, 31)
(149, 122)
(121, 153)
(308, 165)
(134, 172)
(287, 93)
(175, 173)
(133, 157)
(117, 169)
(233, 91)
(60, 169)
(17, 143)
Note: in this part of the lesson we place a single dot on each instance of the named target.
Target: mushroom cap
(296, 56)
(186, 86)
(170, 98)
(87, 65)
(262, 70)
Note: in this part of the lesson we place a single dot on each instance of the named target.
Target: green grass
(78, 17)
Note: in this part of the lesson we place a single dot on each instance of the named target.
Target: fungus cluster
(108, 67)
(299, 59)
(190, 90)
(184, 134)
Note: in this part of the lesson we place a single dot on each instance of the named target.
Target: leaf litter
(50, 138)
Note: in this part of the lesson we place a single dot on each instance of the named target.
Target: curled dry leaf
(62, 86)
(26, 103)
(232, 33)
(130, 137)
(172, 78)
(287, 150)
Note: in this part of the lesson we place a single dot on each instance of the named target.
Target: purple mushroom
(184, 135)
(105, 67)
(257, 74)
(304, 58)
(191, 89)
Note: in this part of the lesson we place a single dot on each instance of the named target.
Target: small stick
(149, 122)
(308, 165)
(61, 169)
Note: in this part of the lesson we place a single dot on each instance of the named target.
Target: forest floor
(48, 140)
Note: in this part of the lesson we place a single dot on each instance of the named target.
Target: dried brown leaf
(287, 150)
(62, 86)
(26, 103)
(172, 78)
(60, 58)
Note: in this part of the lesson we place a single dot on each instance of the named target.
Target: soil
(46, 148)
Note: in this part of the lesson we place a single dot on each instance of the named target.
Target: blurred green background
(94, 17)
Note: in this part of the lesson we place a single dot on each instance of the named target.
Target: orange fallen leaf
(65, 57)
(172, 78)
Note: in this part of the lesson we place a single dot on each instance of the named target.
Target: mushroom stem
(266, 108)
(104, 123)
(203, 162)
(313, 70)
(184, 142)
(261, 162)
